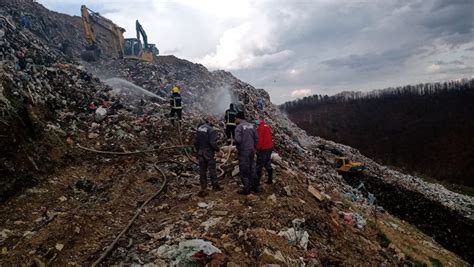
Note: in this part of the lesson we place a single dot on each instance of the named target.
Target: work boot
(217, 188)
(270, 177)
(203, 193)
(256, 190)
(243, 192)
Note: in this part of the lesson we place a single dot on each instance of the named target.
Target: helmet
(175, 89)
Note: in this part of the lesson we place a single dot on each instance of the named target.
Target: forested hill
(426, 129)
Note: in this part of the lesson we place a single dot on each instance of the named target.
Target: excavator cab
(132, 48)
(344, 166)
(143, 52)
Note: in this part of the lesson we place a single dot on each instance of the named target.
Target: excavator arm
(141, 31)
(88, 30)
(90, 17)
(147, 46)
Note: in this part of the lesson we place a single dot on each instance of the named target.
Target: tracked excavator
(344, 166)
(134, 48)
(126, 48)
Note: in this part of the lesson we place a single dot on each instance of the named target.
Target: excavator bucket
(90, 54)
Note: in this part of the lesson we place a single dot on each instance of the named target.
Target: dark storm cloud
(441, 4)
(367, 45)
(373, 62)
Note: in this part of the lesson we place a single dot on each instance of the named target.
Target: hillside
(72, 178)
(425, 129)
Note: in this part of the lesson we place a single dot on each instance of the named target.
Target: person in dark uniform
(230, 125)
(206, 146)
(246, 139)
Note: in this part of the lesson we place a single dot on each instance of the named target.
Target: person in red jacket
(264, 150)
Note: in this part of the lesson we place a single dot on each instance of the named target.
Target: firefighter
(264, 150)
(246, 139)
(230, 123)
(206, 146)
(176, 105)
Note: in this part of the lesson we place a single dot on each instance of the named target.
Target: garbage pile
(53, 108)
(43, 100)
(60, 32)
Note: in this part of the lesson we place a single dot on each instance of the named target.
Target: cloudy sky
(296, 48)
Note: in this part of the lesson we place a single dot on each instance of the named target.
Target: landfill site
(94, 173)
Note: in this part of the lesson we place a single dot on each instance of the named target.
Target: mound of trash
(115, 180)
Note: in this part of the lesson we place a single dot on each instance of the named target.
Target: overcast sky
(297, 48)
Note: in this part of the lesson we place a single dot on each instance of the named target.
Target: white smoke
(221, 99)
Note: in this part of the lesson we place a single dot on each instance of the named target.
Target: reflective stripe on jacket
(175, 101)
(230, 116)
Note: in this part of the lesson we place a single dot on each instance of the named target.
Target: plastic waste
(187, 250)
(100, 114)
(296, 236)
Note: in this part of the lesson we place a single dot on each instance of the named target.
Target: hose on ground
(219, 166)
(135, 216)
(128, 153)
(181, 143)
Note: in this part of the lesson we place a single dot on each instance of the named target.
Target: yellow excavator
(126, 48)
(345, 166)
(135, 50)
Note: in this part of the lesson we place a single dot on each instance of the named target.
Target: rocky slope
(82, 198)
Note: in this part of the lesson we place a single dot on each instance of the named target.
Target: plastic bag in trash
(100, 114)
(187, 249)
(296, 237)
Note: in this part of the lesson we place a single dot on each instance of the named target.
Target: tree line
(427, 129)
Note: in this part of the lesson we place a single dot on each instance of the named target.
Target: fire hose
(221, 171)
(135, 216)
(128, 153)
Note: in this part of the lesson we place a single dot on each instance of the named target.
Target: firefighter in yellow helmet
(176, 104)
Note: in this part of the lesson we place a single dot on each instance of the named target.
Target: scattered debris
(315, 193)
(295, 235)
(211, 222)
(269, 257)
(187, 252)
(272, 198)
(59, 246)
(287, 191)
(203, 205)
